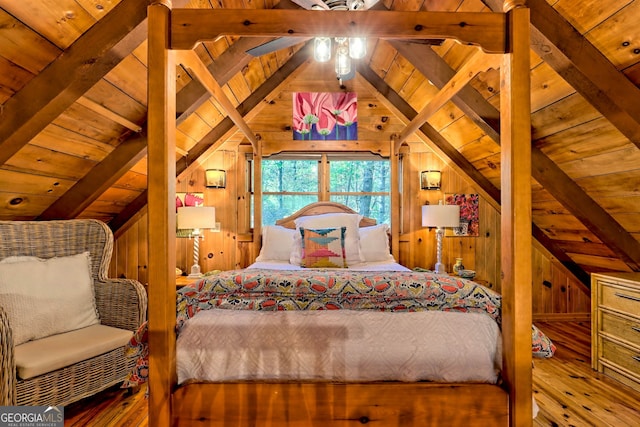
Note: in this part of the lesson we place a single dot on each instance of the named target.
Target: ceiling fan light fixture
(357, 47)
(343, 62)
(322, 49)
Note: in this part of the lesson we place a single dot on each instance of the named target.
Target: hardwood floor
(568, 391)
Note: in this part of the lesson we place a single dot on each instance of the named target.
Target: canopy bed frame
(304, 404)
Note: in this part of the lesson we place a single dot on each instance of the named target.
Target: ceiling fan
(284, 42)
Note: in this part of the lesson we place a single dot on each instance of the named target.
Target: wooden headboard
(319, 208)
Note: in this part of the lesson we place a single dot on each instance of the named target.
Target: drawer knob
(631, 297)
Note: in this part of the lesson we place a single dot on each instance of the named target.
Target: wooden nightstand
(182, 281)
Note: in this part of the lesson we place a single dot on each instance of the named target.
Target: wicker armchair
(121, 303)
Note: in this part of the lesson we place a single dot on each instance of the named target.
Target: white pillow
(43, 297)
(330, 220)
(374, 243)
(277, 243)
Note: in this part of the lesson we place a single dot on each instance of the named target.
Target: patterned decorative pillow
(323, 247)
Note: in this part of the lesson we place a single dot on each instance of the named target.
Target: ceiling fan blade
(312, 4)
(275, 44)
(368, 4)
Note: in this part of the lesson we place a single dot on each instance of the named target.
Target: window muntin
(287, 185)
(361, 184)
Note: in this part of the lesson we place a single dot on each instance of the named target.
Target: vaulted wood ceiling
(73, 95)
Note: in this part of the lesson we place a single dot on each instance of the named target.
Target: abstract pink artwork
(325, 116)
(469, 221)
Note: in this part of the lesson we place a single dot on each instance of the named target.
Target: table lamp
(440, 216)
(196, 218)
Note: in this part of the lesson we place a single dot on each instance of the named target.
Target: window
(360, 182)
(287, 185)
(363, 185)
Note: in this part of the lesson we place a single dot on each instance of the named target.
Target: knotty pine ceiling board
(29, 208)
(479, 149)
(547, 87)
(43, 161)
(59, 21)
(195, 128)
(624, 159)
(254, 74)
(119, 102)
(210, 112)
(63, 140)
(563, 114)
(626, 184)
(132, 181)
(398, 73)
(618, 38)
(586, 140)
(82, 120)
(130, 76)
(586, 14)
(29, 183)
(23, 47)
(461, 131)
(382, 57)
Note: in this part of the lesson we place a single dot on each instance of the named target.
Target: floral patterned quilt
(259, 289)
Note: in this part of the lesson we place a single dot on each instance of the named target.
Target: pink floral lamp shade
(325, 116)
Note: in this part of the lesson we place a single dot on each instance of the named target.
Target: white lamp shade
(196, 217)
(441, 216)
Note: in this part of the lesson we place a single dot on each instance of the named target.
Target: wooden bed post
(162, 214)
(395, 198)
(257, 198)
(515, 118)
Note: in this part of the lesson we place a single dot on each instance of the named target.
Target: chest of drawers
(615, 326)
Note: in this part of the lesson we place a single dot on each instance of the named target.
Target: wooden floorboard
(567, 390)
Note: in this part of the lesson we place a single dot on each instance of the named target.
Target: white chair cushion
(43, 297)
(48, 354)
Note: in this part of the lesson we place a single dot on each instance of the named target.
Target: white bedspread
(339, 345)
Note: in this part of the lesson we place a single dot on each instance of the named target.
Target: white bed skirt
(339, 345)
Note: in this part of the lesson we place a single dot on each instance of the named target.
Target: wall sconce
(216, 178)
(430, 180)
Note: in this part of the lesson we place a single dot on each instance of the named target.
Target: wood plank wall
(556, 294)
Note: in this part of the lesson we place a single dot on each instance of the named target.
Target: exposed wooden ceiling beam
(585, 209)
(436, 69)
(583, 66)
(476, 64)
(234, 59)
(444, 148)
(190, 26)
(191, 60)
(100, 178)
(82, 65)
(91, 189)
(579, 203)
(392, 100)
(205, 145)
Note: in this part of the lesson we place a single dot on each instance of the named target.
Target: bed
(303, 402)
